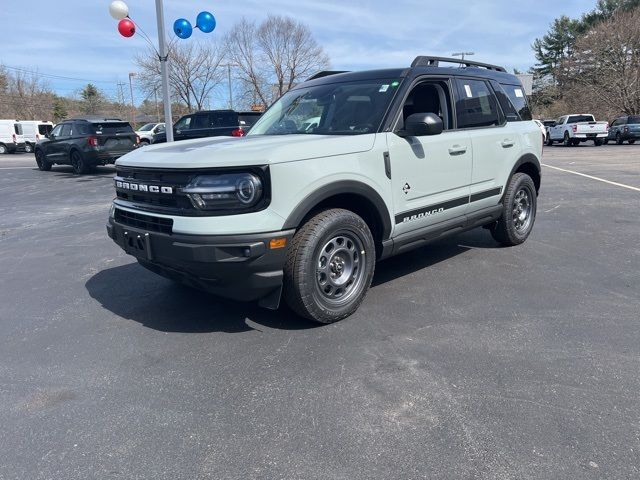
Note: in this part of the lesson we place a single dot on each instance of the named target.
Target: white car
(146, 133)
(574, 129)
(306, 213)
(11, 138)
(542, 128)
(34, 131)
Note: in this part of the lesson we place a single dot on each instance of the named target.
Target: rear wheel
(631, 142)
(518, 212)
(619, 139)
(78, 163)
(41, 160)
(28, 148)
(329, 266)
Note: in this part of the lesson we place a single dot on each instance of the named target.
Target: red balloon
(126, 28)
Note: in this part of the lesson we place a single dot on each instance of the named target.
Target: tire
(518, 211)
(567, 140)
(619, 139)
(597, 142)
(41, 160)
(78, 163)
(606, 141)
(631, 142)
(549, 141)
(28, 148)
(144, 143)
(329, 266)
(3, 149)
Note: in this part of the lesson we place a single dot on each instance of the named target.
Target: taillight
(37, 137)
(574, 128)
(92, 141)
(137, 140)
(15, 140)
(606, 127)
(238, 132)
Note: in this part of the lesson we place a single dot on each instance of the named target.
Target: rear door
(495, 145)
(223, 123)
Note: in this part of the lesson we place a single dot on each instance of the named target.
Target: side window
(476, 105)
(201, 121)
(56, 131)
(82, 129)
(66, 130)
(429, 97)
(184, 123)
(516, 99)
(160, 129)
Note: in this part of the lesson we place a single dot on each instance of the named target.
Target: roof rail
(426, 61)
(325, 73)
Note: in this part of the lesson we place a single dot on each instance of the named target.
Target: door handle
(457, 150)
(508, 143)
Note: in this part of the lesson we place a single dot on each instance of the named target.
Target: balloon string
(145, 36)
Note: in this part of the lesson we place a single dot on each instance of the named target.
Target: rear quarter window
(518, 101)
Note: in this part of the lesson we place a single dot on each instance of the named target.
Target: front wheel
(597, 142)
(519, 208)
(549, 141)
(606, 141)
(28, 148)
(566, 141)
(329, 266)
(619, 139)
(631, 142)
(3, 149)
(41, 160)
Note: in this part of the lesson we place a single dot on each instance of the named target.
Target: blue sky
(78, 38)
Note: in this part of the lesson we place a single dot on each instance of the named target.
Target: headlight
(238, 191)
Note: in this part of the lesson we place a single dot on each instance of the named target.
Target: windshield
(147, 127)
(349, 108)
(580, 118)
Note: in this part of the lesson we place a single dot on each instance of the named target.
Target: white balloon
(119, 10)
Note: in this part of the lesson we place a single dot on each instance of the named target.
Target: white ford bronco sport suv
(393, 159)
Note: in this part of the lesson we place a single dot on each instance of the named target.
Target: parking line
(15, 168)
(594, 178)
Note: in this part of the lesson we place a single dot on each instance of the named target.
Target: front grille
(144, 222)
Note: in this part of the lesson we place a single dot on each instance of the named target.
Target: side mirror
(554, 124)
(422, 124)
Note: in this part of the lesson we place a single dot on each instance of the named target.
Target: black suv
(208, 123)
(85, 143)
(624, 128)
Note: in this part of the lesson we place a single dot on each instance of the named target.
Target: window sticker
(519, 93)
(383, 88)
(395, 84)
(467, 88)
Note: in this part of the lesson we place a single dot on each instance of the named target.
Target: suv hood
(245, 151)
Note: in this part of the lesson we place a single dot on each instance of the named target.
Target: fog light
(112, 211)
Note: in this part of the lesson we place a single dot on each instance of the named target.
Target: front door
(430, 175)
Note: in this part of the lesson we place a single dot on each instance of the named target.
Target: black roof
(93, 119)
(422, 65)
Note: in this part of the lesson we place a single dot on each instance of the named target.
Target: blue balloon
(206, 22)
(182, 28)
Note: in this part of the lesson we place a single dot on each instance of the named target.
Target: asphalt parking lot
(465, 360)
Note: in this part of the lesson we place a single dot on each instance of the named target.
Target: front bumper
(239, 267)
(16, 147)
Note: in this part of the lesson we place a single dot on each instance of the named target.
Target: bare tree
(604, 71)
(273, 56)
(25, 95)
(194, 72)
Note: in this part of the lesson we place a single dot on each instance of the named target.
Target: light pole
(229, 65)
(164, 70)
(133, 108)
(462, 54)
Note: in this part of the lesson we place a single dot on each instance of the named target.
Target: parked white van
(34, 131)
(11, 139)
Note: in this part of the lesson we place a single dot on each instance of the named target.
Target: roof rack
(426, 61)
(325, 73)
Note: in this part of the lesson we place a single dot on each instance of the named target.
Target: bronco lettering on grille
(141, 187)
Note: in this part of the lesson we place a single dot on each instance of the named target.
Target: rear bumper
(239, 267)
(105, 157)
(15, 147)
(590, 136)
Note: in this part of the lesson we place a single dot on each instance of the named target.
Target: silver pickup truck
(572, 130)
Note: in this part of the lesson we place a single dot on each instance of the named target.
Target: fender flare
(526, 158)
(337, 188)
